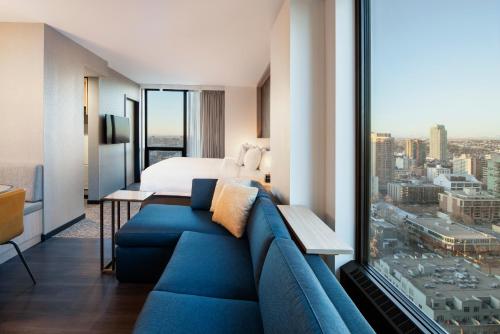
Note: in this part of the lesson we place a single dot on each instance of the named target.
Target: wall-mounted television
(117, 129)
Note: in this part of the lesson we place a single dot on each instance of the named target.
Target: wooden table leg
(112, 235)
(128, 210)
(118, 212)
(102, 234)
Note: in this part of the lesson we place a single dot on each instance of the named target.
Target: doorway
(132, 149)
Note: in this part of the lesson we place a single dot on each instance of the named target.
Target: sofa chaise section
(147, 241)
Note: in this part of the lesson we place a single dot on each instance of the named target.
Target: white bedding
(174, 176)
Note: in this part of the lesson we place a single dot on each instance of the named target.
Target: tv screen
(117, 129)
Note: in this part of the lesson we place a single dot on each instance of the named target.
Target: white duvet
(174, 176)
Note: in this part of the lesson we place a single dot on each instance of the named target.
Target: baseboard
(62, 228)
(92, 201)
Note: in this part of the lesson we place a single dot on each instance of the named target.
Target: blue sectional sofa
(210, 282)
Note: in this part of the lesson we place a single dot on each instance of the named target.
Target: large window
(165, 125)
(430, 156)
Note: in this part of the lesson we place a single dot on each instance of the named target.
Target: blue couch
(215, 283)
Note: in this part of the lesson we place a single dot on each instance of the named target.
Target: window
(165, 114)
(429, 126)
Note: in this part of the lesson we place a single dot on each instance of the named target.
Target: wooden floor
(71, 295)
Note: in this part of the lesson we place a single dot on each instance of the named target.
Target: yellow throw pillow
(218, 189)
(233, 207)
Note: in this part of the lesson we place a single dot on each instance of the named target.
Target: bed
(173, 177)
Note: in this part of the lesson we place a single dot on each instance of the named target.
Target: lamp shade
(265, 162)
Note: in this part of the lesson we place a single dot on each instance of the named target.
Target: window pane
(165, 113)
(435, 170)
(157, 156)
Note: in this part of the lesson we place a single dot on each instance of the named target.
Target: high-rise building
(416, 149)
(439, 143)
(493, 176)
(471, 206)
(382, 158)
(462, 165)
(413, 193)
(433, 172)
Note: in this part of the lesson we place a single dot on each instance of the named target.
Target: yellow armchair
(11, 220)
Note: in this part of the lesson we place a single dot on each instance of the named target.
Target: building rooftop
(447, 277)
(416, 184)
(449, 228)
(458, 178)
(381, 222)
(472, 194)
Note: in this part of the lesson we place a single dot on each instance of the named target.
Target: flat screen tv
(117, 129)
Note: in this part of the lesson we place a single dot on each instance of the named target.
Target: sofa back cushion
(202, 191)
(264, 224)
(291, 298)
(28, 176)
(352, 317)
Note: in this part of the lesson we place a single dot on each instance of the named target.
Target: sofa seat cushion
(167, 312)
(159, 225)
(210, 265)
(291, 298)
(30, 207)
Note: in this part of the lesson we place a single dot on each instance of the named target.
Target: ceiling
(188, 42)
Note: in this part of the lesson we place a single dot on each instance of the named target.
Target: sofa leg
(22, 259)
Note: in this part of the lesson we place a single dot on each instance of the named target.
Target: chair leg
(22, 259)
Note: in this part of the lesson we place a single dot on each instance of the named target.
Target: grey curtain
(193, 126)
(212, 124)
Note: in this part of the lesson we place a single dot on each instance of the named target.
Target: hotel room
(249, 166)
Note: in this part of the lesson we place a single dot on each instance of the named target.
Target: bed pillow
(233, 207)
(220, 185)
(241, 156)
(202, 193)
(252, 158)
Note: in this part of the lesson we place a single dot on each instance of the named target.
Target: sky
(165, 113)
(436, 61)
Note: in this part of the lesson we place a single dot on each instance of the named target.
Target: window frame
(362, 186)
(147, 148)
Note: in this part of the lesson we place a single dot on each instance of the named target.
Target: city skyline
(454, 50)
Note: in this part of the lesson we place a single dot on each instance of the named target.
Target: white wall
(298, 104)
(112, 91)
(280, 104)
(313, 95)
(64, 69)
(307, 104)
(345, 111)
(21, 92)
(240, 118)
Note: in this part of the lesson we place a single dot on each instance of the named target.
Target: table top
(5, 188)
(128, 196)
(312, 233)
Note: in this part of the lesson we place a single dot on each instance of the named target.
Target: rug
(89, 227)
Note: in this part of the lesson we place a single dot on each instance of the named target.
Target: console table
(117, 197)
(313, 235)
